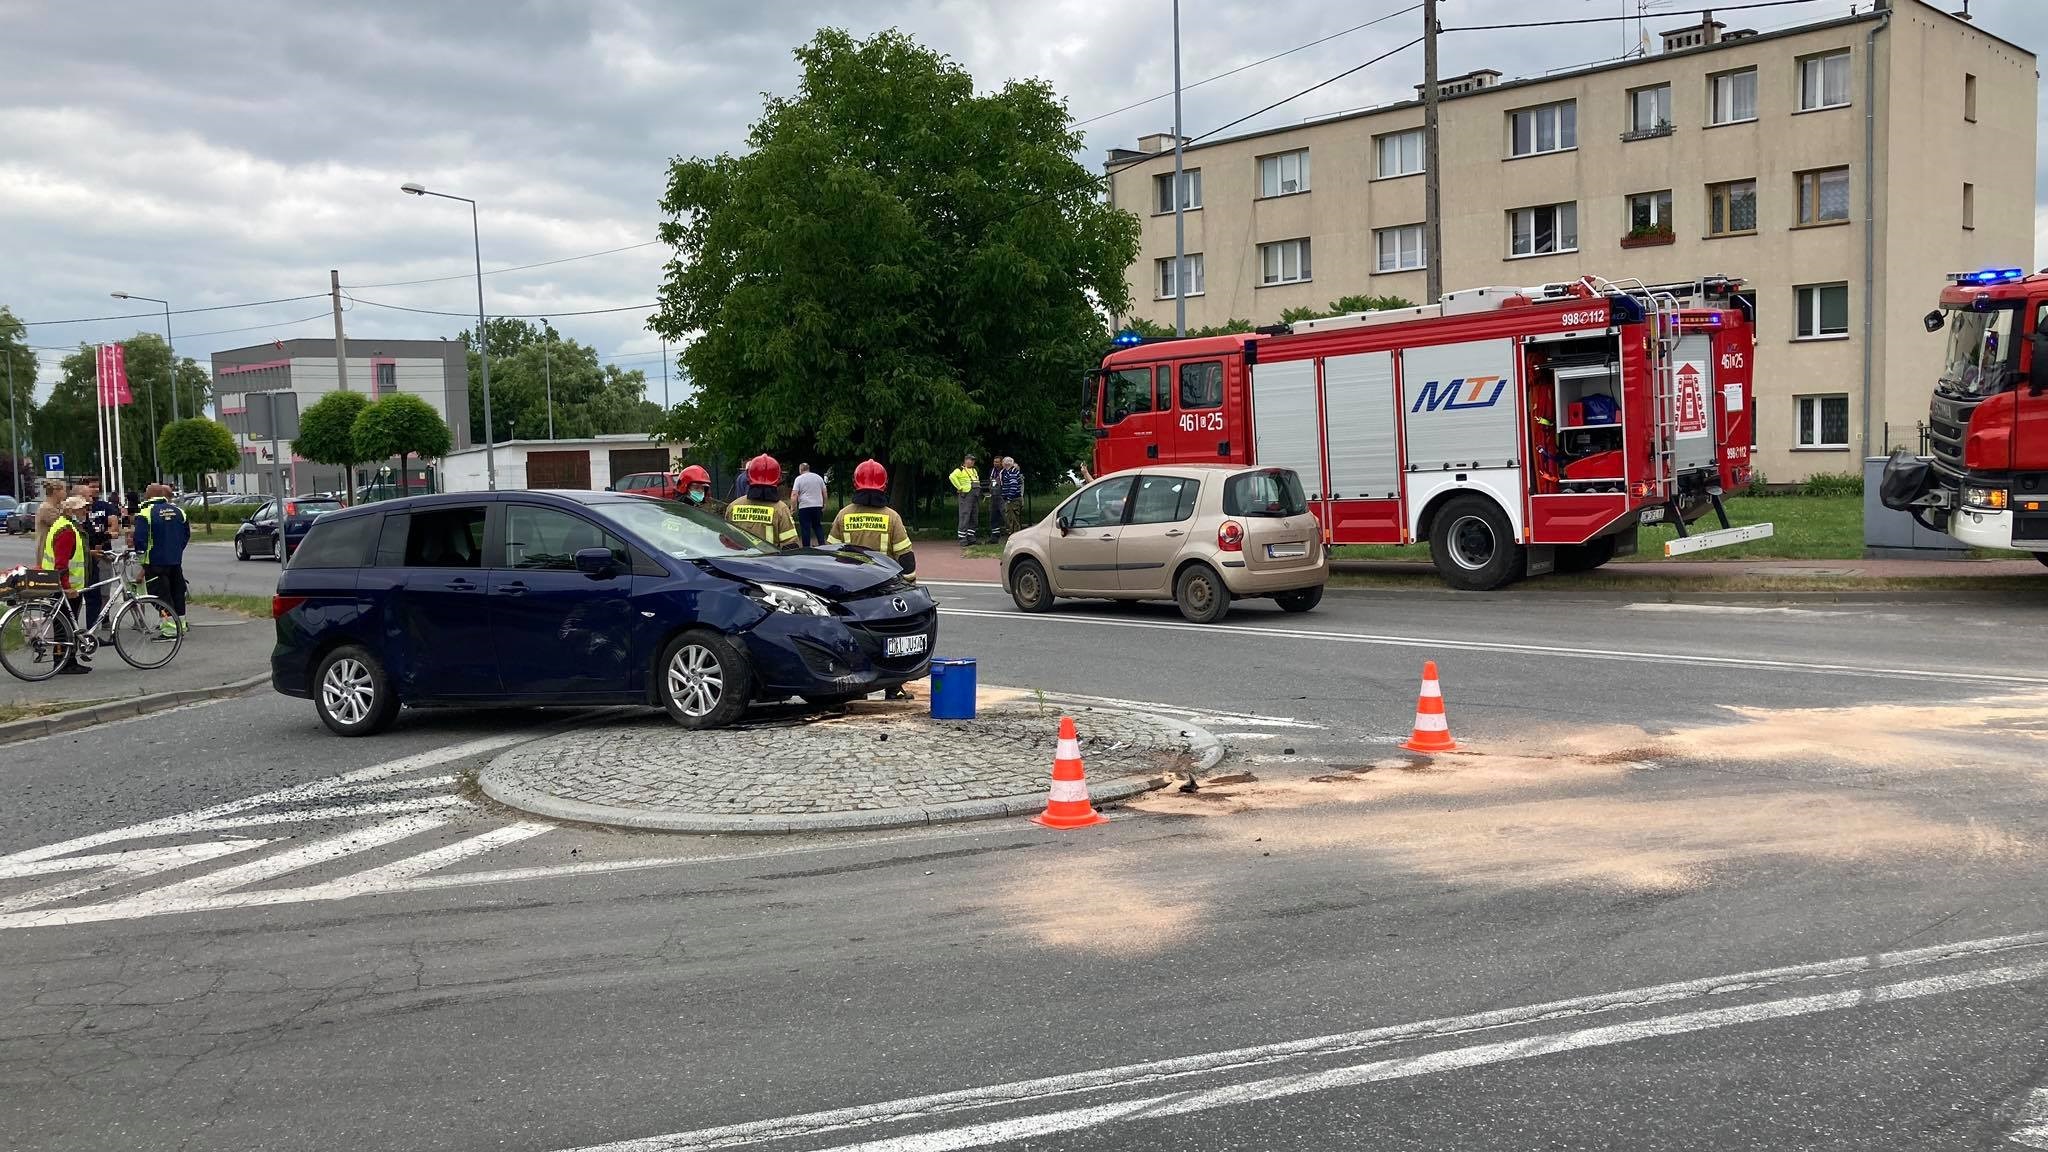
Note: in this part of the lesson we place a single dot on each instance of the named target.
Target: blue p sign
(53, 463)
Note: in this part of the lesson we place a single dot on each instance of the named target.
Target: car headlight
(1985, 496)
(795, 601)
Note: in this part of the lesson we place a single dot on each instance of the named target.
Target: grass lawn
(13, 712)
(254, 607)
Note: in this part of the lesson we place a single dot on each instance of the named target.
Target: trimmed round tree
(327, 434)
(401, 425)
(195, 447)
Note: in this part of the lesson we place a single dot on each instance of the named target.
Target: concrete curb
(1686, 596)
(1206, 749)
(37, 727)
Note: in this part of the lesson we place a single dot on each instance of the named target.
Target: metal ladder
(1661, 310)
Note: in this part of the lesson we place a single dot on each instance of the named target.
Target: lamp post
(547, 373)
(483, 344)
(13, 434)
(173, 373)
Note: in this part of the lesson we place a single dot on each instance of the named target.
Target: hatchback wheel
(1028, 586)
(352, 693)
(1201, 595)
(1300, 600)
(703, 680)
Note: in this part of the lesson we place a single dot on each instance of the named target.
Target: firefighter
(694, 485)
(870, 523)
(761, 511)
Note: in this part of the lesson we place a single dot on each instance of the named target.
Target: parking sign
(53, 465)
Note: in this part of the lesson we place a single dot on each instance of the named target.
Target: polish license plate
(905, 645)
(1653, 515)
(1294, 551)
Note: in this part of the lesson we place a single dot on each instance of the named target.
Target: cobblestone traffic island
(874, 765)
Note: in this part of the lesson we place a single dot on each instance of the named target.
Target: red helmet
(870, 476)
(763, 469)
(694, 474)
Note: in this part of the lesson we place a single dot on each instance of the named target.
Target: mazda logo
(899, 604)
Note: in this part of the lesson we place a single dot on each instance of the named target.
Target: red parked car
(660, 485)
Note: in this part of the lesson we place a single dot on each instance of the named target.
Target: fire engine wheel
(1473, 546)
(1585, 557)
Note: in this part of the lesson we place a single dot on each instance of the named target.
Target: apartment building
(1841, 168)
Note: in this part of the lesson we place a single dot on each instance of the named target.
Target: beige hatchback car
(1199, 535)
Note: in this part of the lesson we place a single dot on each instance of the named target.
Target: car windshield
(1980, 345)
(315, 507)
(681, 531)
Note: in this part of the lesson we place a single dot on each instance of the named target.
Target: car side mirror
(597, 563)
(1065, 523)
(1934, 320)
(609, 488)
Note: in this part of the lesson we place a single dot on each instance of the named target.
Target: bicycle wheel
(146, 633)
(33, 637)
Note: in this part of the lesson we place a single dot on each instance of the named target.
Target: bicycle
(36, 633)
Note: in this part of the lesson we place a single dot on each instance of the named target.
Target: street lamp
(154, 466)
(483, 350)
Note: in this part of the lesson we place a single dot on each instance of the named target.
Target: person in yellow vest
(870, 523)
(64, 552)
(761, 511)
(966, 481)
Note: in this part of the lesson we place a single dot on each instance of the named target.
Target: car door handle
(1176, 532)
(461, 585)
(515, 588)
(1107, 536)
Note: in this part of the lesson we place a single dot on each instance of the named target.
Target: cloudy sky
(215, 152)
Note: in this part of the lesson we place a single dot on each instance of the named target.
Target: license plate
(1293, 551)
(905, 645)
(1653, 515)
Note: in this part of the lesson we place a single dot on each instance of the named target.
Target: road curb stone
(37, 727)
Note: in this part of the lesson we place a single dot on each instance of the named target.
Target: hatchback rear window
(343, 543)
(1271, 492)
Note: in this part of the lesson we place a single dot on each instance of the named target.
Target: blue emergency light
(1127, 338)
(1988, 276)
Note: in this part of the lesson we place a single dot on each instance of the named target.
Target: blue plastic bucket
(952, 689)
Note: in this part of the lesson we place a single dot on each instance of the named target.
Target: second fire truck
(1517, 430)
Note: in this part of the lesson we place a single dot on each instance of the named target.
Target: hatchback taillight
(279, 605)
(1230, 536)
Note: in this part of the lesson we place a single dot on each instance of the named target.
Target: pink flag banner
(113, 376)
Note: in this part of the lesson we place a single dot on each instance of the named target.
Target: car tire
(1201, 594)
(703, 680)
(1029, 587)
(352, 693)
(241, 548)
(1300, 600)
(1474, 547)
(1585, 557)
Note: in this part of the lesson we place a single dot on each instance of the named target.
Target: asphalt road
(1716, 876)
(210, 564)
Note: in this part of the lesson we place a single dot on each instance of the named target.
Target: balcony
(1660, 128)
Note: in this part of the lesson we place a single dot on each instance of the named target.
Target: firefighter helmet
(764, 470)
(694, 474)
(870, 476)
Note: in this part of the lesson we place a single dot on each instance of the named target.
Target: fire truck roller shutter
(1462, 414)
(1358, 403)
(1284, 421)
(1696, 404)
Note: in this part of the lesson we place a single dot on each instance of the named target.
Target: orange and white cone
(1432, 728)
(1067, 806)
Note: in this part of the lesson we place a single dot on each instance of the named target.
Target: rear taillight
(279, 605)
(1230, 536)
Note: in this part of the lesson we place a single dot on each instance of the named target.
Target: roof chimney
(1706, 32)
(1459, 85)
(1156, 142)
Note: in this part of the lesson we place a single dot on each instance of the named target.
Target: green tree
(1343, 305)
(898, 266)
(17, 412)
(327, 433)
(195, 446)
(530, 360)
(68, 421)
(401, 425)
(1153, 330)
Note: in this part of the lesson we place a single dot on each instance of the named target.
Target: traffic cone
(1432, 729)
(1067, 806)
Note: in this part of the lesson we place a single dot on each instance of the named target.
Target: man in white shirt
(808, 490)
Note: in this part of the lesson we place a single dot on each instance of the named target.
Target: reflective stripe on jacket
(965, 480)
(771, 522)
(161, 533)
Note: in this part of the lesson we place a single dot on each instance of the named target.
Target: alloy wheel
(696, 681)
(348, 691)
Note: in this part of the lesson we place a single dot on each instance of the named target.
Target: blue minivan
(580, 598)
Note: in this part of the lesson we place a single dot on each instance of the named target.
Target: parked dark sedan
(561, 598)
(19, 518)
(257, 535)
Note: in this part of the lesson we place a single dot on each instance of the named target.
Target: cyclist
(64, 552)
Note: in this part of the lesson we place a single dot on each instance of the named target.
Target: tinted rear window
(1272, 492)
(343, 543)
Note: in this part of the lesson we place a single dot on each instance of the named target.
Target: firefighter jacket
(876, 528)
(770, 521)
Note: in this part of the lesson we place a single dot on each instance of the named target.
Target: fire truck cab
(1986, 482)
(1517, 430)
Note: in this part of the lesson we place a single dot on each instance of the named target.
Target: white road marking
(1473, 1056)
(958, 584)
(1208, 715)
(334, 812)
(1735, 610)
(1441, 644)
(398, 872)
(118, 867)
(2032, 1131)
(1237, 1059)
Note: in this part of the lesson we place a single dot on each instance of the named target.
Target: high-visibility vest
(75, 567)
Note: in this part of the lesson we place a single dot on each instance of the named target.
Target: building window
(1550, 128)
(1969, 205)
(1166, 285)
(1285, 262)
(1969, 97)
(1823, 311)
(1284, 174)
(1649, 212)
(383, 380)
(1400, 249)
(1400, 153)
(1824, 196)
(1543, 230)
(1731, 97)
(1823, 421)
(1731, 208)
(1649, 112)
(1824, 81)
(1190, 191)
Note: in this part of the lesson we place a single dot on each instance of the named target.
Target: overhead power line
(1244, 67)
(1307, 90)
(1611, 19)
(507, 315)
(178, 311)
(513, 268)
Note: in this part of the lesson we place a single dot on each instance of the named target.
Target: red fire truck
(1517, 430)
(1986, 483)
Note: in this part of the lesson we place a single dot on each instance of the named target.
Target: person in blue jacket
(161, 533)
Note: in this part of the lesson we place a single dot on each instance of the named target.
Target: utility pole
(13, 434)
(340, 337)
(1432, 200)
(664, 374)
(1180, 234)
(547, 373)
